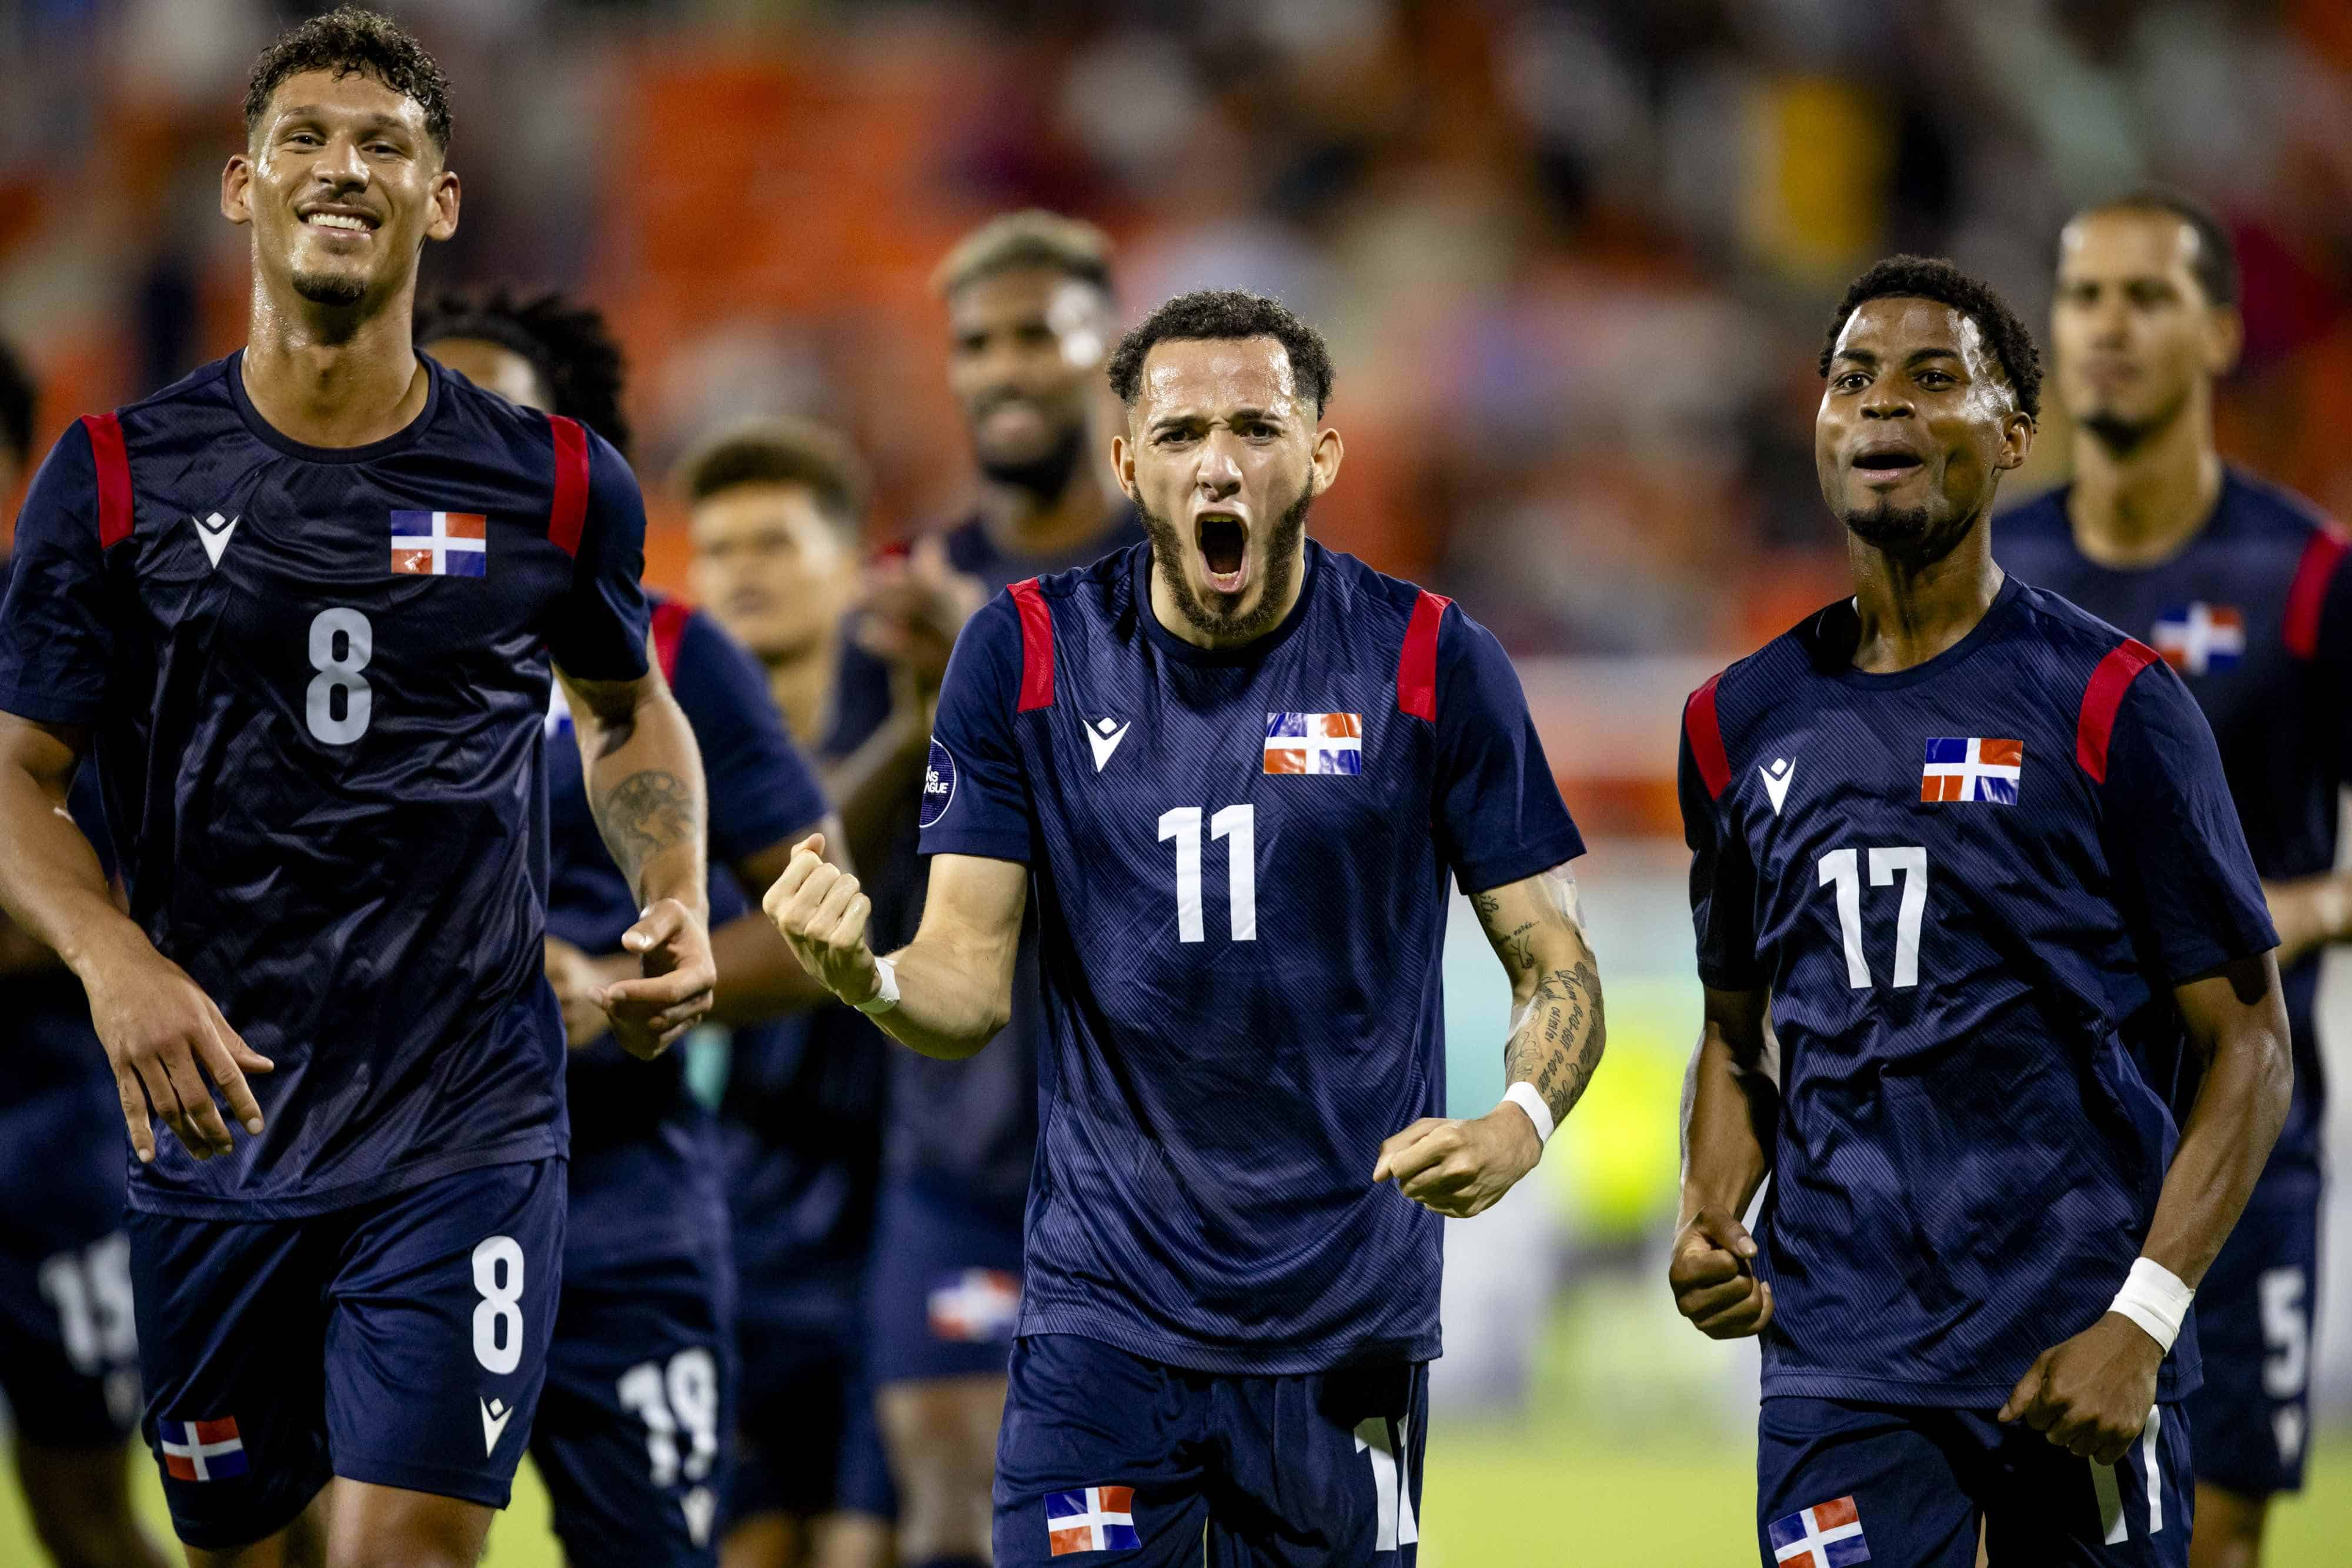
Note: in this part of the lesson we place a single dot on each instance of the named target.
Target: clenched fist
(1713, 1272)
(821, 914)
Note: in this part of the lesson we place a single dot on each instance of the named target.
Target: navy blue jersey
(641, 1141)
(1239, 863)
(2255, 613)
(1969, 887)
(971, 1127)
(316, 681)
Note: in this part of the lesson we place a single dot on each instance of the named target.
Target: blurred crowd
(1574, 258)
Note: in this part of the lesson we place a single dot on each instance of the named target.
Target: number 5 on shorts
(498, 1317)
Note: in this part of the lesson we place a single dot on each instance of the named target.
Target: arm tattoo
(646, 813)
(1561, 1037)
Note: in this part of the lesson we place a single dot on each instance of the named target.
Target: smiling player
(1238, 770)
(303, 608)
(1974, 851)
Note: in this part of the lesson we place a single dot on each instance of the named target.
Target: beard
(1046, 476)
(2122, 435)
(1281, 562)
(329, 289)
(1912, 537)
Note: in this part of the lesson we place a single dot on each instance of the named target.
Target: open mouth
(1894, 462)
(1221, 538)
(339, 222)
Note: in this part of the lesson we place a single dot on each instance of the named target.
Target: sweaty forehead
(1893, 329)
(342, 94)
(1193, 375)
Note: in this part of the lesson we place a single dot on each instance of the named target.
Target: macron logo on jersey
(1313, 743)
(1826, 1535)
(1972, 768)
(201, 1450)
(2200, 637)
(1099, 1518)
(440, 544)
(214, 533)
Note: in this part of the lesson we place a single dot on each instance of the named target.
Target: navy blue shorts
(400, 1342)
(69, 1342)
(632, 1435)
(945, 1288)
(1840, 1483)
(809, 1441)
(2255, 1308)
(1104, 1451)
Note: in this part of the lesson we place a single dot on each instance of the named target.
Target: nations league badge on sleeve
(938, 784)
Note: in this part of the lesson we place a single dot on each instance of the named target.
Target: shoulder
(193, 407)
(1728, 703)
(2092, 669)
(2254, 506)
(2312, 550)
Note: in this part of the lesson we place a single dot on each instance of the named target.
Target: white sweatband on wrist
(886, 998)
(1523, 1095)
(2154, 1298)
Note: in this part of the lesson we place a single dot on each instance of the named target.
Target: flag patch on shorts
(1826, 1535)
(1099, 1518)
(201, 1450)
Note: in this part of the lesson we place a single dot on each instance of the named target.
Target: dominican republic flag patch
(1313, 743)
(201, 1450)
(440, 544)
(1099, 1518)
(1826, 1535)
(1972, 768)
(2199, 637)
(975, 1306)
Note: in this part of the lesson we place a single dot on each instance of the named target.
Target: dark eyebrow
(370, 120)
(1859, 356)
(1921, 356)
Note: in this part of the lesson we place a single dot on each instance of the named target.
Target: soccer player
(1973, 849)
(301, 608)
(635, 1432)
(776, 506)
(2247, 594)
(68, 1346)
(1238, 770)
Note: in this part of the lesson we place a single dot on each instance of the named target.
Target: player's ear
(1328, 450)
(1122, 466)
(2225, 339)
(444, 222)
(236, 185)
(2017, 432)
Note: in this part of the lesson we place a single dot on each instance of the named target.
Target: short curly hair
(349, 40)
(1220, 314)
(1933, 278)
(568, 344)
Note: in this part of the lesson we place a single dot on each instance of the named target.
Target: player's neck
(1177, 624)
(2137, 507)
(323, 379)
(1909, 613)
(803, 685)
(1023, 526)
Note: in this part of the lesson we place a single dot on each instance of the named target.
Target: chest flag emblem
(1972, 768)
(1313, 743)
(440, 544)
(2200, 637)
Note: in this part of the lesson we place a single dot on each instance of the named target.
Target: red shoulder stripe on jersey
(2102, 699)
(106, 450)
(568, 514)
(1036, 645)
(1417, 665)
(669, 627)
(1706, 733)
(2308, 594)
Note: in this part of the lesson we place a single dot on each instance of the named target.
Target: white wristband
(886, 998)
(2154, 1298)
(1523, 1095)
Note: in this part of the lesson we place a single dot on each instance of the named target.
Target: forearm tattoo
(1560, 1038)
(647, 813)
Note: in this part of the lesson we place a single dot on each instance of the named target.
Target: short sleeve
(1722, 884)
(56, 643)
(598, 632)
(2333, 656)
(975, 801)
(1499, 816)
(2173, 836)
(760, 787)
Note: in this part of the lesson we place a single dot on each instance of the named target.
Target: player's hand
(821, 914)
(2090, 1395)
(672, 944)
(1712, 1273)
(1459, 1168)
(914, 605)
(170, 1047)
(578, 980)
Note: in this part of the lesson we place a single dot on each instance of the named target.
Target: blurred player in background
(303, 608)
(1227, 1313)
(2247, 594)
(69, 1342)
(1974, 849)
(775, 509)
(636, 1429)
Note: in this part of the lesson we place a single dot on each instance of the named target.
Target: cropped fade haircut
(348, 41)
(569, 346)
(1035, 237)
(18, 399)
(2217, 253)
(1932, 277)
(1218, 315)
(780, 451)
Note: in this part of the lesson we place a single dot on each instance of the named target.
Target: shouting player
(1974, 849)
(1238, 770)
(635, 1429)
(301, 608)
(776, 507)
(2246, 592)
(69, 1343)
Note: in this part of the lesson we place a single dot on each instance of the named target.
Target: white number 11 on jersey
(1237, 825)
